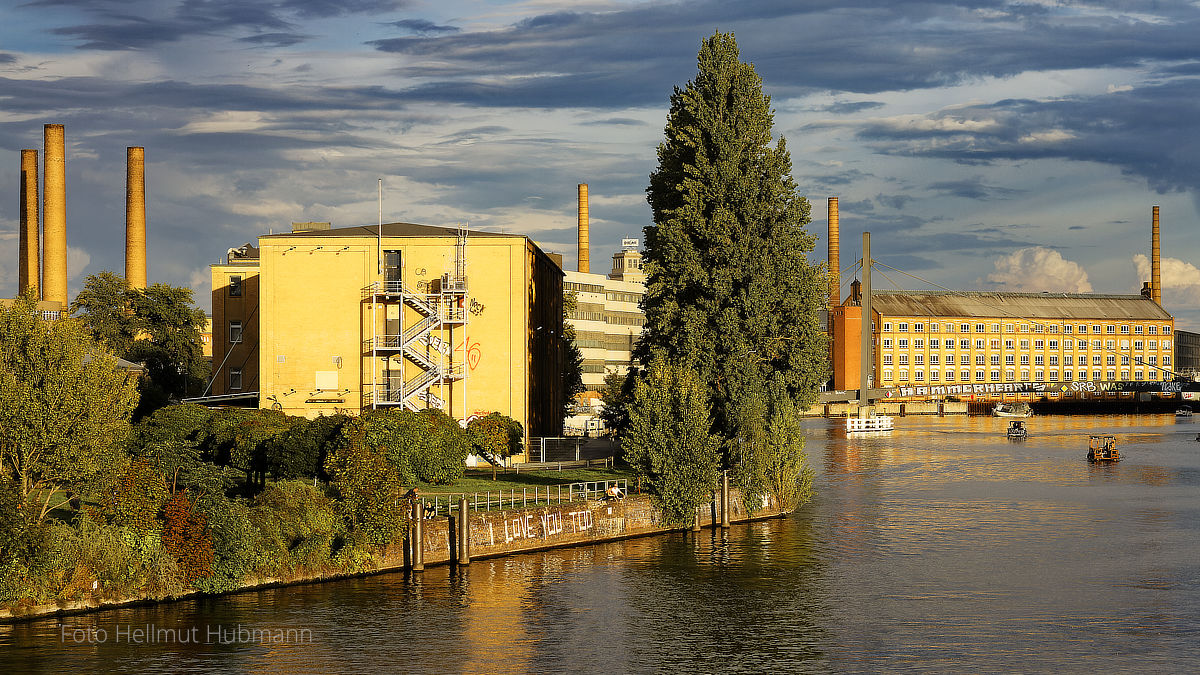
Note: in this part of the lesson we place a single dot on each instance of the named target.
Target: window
(904, 376)
(1054, 344)
(919, 344)
(1039, 328)
(1153, 374)
(949, 375)
(1096, 328)
(934, 360)
(887, 326)
(1067, 375)
(919, 359)
(1124, 360)
(235, 332)
(903, 343)
(1009, 376)
(918, 328)
(904, 359)
(933, 375)
(995, 376)
(1125, 375)
(1008, 359)
(1166, 330)
(979, 359)
(1039, 376)
(995, 328)
(1051, 329)
(1024, 328)
(235, 378)
(919, 375)
(1166, 344)
(1024, 375)
(1110, 329)
(995, 360)
(1137, 344)
(1166, 360)
(1125, 329)
(1024, 344)
(1039, 344)
(995, 344)
(980, 376)
(965, 360)
(1068, 360)
(950, 329)
(1095, 344)
(392, 269)
(1096, 360)
(902, 327)
(1153, 330)
(1067, 329)
(964, 344)
(1039, 360)
(1097, 375)
(964, 328)
(1137, 375)
(1054, 359)
(1081, 344)
(978, 328)
(887, 359)
(1024, 359)
(979, 344)
(1008, 344)
(1110, 344)
(887, 374)
(1153, 344)
(965, 376)
(1054, 376)
(933, 343)
(235, 286)
(1137, 330)
(1112, 375)
(887, 343)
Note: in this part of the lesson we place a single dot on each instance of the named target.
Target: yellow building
(1064, 340)
(323, 320)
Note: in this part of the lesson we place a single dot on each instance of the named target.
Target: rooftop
(389, 230)
(1057, 306)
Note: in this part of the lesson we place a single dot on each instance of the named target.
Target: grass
(480, 480)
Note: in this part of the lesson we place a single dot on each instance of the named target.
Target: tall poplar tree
(730, 290)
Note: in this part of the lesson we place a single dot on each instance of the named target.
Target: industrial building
(927, 344)
(608, 318)
(322, 320)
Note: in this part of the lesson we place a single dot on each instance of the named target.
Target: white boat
(1016, 429)
(1018, 409)
(1183, 411)
(872, 423)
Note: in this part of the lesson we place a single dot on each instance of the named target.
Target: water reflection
(941, 546)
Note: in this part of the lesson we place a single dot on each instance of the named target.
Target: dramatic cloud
(1037, 269)
(1180, 279)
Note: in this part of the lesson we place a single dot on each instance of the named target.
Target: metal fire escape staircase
(442, 307)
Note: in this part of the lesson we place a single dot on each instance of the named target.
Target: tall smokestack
(135, 217)
(29, 250)
(835, 289)
(1155, 262)
(54, 216)
(585, 253)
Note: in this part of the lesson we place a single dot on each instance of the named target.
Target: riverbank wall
(492, 534)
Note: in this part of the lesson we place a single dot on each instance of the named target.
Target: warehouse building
(608, 318)
(322, 320)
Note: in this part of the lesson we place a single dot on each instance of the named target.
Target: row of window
(618, 296)
(582, 288)
(994, 343)
(1038, 360)
(1011, 375)
(1110, 329)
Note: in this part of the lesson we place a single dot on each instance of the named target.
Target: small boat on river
(1183, 411)
(1016, 429)
(1017, 409)
(1103, 448)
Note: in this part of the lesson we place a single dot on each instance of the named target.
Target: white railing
(445, 503)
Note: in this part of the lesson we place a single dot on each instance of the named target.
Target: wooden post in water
(464, 534)
(725, 500)
(418, 538)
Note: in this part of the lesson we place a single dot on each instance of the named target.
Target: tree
(494, 437)
(729, 287)
(158, 325)
(572, 373)
(668, 441)
(64, 405)
(616, 395)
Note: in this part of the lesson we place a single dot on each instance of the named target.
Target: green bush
(495, 436)
(368, 487)
(427, 446)
(299, 525)
(239, 549)
(300, 451)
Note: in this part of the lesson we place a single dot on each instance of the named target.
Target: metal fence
(556, 449)
(442, 504)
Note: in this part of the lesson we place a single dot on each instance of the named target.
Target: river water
(939, 547)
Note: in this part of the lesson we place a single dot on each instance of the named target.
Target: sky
(985, 145)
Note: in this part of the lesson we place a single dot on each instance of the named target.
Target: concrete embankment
(492, 534)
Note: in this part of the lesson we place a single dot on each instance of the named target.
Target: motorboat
(1183, 411)
(1103, 448)
(1016, 429)
(1017, 409)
